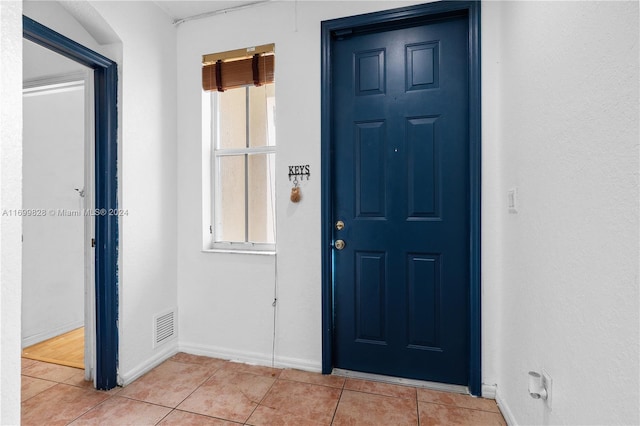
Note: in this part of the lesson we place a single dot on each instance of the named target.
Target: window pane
(232, 122)
(261, 194)
(262, 107)
(230, 200)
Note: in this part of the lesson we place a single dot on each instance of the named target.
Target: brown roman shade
(238, 68)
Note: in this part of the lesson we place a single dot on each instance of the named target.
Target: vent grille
(164, 328)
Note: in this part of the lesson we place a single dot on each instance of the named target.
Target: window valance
(238, 68)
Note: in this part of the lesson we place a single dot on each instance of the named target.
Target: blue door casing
(106, 185)
(402, 164)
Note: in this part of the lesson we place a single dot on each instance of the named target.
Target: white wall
(225, 299)
(53, 141)
(146, 57)
(10, 198)
(492, 199)
(147, 179)
(568, 132)
(54, 16)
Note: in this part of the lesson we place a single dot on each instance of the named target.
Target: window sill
(241, 251)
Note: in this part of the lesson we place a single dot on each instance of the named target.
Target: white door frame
(89, 230)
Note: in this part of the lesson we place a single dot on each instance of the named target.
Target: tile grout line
(56, 383)
(199, 386)
(459, 406)
(44, 390)
(165, 416)
(211, 373)
(335, 410)
(95, 406)
(172, 409)
(262, 399)
(378, 394)
(192, 392)
(314, 384)
(417, 407)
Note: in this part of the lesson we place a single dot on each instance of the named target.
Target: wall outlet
(546, 383)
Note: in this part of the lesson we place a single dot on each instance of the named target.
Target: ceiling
(178, 10)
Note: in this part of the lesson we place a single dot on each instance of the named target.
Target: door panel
(401, 186)
(370, 297)
(370, 166)
(423, 311)
(423, 175)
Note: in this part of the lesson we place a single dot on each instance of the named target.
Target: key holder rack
(299, 172)
(296, 172)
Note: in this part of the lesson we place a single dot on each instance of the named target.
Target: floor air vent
(164, 328)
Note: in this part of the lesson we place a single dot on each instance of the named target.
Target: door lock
(340, 244)
(339, 225)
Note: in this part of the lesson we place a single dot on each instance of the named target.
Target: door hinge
(210, 229)
(93, 242)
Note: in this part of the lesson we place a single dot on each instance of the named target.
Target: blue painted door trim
(404, 16)
(106, 232)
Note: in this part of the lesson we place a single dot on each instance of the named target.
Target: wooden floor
(66, 349)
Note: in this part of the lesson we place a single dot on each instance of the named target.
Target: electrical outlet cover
(546, 383)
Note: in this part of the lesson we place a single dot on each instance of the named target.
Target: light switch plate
(512, 200)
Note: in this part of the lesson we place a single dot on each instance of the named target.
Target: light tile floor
(194, 390)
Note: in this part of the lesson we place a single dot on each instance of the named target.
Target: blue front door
(400, 150)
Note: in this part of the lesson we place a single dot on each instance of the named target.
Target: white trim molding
(143, 368)
(489, 391)
(263, 359)
(55, 80)
(504, 409)
(41, 337)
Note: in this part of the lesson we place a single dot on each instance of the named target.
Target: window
(240, 131)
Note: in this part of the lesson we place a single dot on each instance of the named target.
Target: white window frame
(211, 195)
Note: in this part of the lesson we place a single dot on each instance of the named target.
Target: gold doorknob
(340, 244)
(339, 225)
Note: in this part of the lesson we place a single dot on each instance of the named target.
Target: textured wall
(147, 176)
(568, 132)
(10, 198)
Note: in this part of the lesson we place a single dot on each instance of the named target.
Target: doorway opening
(105, 231)
(58, 314)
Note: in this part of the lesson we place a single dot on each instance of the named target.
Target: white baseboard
(504, 409)
(488, 391)
(251, 357)
(41, 337)
(127, 378)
